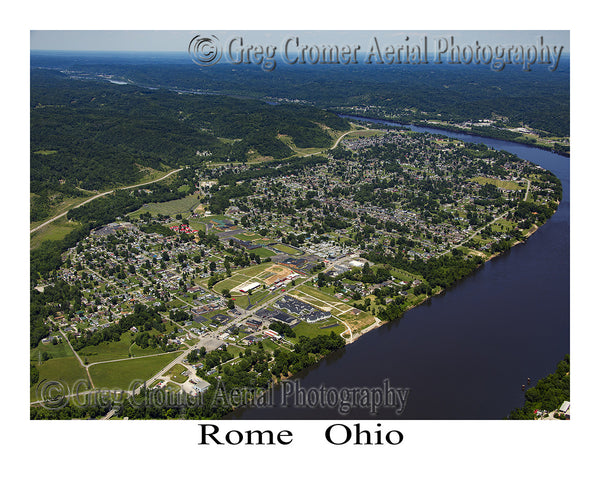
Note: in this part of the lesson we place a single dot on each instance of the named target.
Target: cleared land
(66, 370)
(320, 300)
(319, 328)
(287, 249)
(176, 373)
(182, 206)
(56, 230)
(245, 276)
(262, 252)
(365, 133)
(121, 374)
(505, 184)
(278, 272)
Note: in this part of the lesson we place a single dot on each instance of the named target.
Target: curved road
(101, 195)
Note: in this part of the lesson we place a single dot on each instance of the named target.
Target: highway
(47, 222)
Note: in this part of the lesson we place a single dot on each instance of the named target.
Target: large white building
(248, 288)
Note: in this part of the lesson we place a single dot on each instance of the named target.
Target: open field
(117, 350)
(137, 351)
(302, 151)
(173, 387)
(66, 370)
(365, 133)
(277, 272)
(358, 322)
(315, 329)
(287, 249)
(262, 252)
(320, 300)
(106, 350)
(175, 372)
(56, 230)
(505, 184)
(248, 236)
(503, 225)
(183, 206)
(59, 350)
(245, 275)
(121, 374)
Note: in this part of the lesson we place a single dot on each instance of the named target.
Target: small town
(249, 263)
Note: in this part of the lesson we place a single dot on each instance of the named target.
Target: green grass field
(320, 299)
(403, 275)
(118, 350)
(120, 375)
(365, 133)
(56, 230)
(502, 225)
(172, 208)
(59, 350)
(212, 217)
(106, 350)
(263, 252)
(505, 184)
(175, 372)
(248, 236)
(173, 387)
(66, 370)
(314, 329)
(287, 249)
(243, 275)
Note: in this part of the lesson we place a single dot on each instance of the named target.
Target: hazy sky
(166, 40)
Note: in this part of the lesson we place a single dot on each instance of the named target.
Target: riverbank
(460, 130)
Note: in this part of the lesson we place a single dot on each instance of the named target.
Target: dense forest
(92, 134)
(537, 98)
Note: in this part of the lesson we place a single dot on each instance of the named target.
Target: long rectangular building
(248, 288)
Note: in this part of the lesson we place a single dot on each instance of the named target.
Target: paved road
(101, 195)
(210, 340)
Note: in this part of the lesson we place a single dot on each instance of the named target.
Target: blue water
(465, 354)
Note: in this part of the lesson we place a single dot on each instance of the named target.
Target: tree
(34, 375)
(231, 304)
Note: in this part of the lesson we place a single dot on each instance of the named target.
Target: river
(464, 354)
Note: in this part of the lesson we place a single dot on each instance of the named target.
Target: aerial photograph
(299, 225)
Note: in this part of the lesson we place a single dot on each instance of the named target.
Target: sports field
(287, 249)
(265, 273)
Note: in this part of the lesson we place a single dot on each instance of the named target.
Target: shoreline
(453, 129)
(378, 323)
